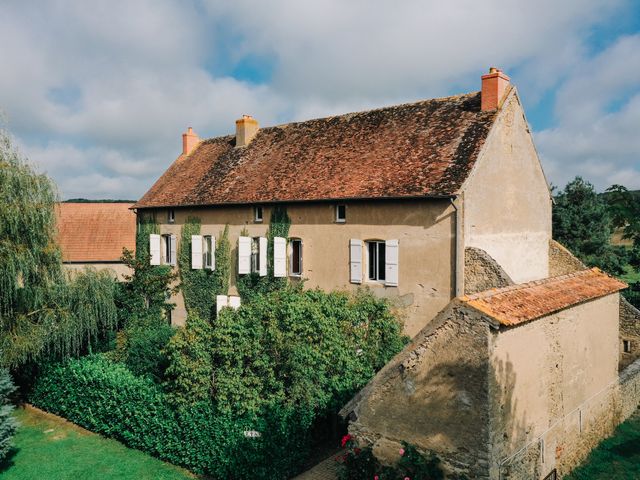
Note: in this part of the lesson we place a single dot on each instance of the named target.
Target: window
(341, 213)
(207, 249)
(255, 255)
(257, 214)
(296, 257)
(171, 216)
(169, 249)
(376, 254)
(626, 346)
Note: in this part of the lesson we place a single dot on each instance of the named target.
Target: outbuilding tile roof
(422, 149)
(521, 303)
(95, 232)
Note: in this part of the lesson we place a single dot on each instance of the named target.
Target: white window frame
(258, 214)
(340, 219)
(626, 346)
(168, 246)
(209, 252)
(378, 267)
(279, 257)
(300, 256)
(171, 216)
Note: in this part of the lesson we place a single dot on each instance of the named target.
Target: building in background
(94, 235)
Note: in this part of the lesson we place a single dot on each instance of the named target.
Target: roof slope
(422, 149)
(95, 232)
(521, 303)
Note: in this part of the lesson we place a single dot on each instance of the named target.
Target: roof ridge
(348, 114)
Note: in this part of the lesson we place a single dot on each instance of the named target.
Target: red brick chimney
(190, 141)
(246, 129)
(494, 86)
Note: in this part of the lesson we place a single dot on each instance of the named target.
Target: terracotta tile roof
(422, 149)
(95, 232)
(517, 304)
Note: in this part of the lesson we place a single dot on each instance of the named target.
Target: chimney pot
(494, 86)
(246, 129)
(190, 140)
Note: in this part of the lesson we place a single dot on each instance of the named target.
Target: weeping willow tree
(42, 311)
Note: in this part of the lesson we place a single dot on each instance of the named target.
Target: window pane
(381, 260)
(342, 212)
(295, 257)
(206, 251)
(255, 255)
(372, 260)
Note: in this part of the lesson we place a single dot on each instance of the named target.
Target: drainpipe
(458, 205)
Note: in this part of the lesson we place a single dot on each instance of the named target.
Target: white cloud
(99, 92)
(592, 139)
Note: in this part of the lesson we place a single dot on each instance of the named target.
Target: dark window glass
(296, 257)
(372, 260)
(341, 214)
(255, 255)
(381, 261)
(258, 214)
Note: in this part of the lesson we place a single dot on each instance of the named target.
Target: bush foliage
(273, 367)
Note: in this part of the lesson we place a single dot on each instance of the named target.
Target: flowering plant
(359, 463)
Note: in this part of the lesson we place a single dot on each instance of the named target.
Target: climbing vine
(200, 286)
(252, 284)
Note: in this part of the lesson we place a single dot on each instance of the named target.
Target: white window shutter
(279, 257)
(221, 302)
(213, 252)
(234, 302)
(263, 257)
(244, 255)
(355, 260)
(154, 248)
(196, 252)
(173, 248)
(391, 263)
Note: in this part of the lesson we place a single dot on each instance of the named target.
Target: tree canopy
(582, 223)
(42, 310)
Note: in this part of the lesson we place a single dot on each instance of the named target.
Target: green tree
(7, 423)
(41, 310)
(189, 375)
(582, 223)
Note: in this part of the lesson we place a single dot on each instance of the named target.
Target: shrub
(300, 348)
(190, 371)
(360, 464)
(106, 398)
(144, 348)
(7, 423)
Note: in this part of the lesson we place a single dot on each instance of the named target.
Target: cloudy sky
(97, 93)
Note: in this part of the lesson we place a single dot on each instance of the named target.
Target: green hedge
(106, 398)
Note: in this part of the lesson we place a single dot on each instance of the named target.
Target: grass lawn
(616, 458)
(52, 448)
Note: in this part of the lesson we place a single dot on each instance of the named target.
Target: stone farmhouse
(94, 234)
(521, 359)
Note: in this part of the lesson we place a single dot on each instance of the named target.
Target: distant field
(51, 448)
(616, 458)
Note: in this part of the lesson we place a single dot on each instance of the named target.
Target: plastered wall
(507, 204)
(119, 270)
(425, 230)
(553, 379)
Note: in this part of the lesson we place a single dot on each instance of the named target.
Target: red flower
(357, 451)
(345, 439)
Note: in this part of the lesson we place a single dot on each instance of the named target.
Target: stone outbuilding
(514, 382)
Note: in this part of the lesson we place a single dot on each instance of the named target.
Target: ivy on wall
(252, 285)
(200, 286)
(146, 226)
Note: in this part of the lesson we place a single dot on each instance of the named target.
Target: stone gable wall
(482, 272)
